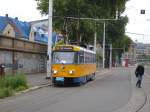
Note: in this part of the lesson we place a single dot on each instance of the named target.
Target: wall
(22, 55)
(9, 31)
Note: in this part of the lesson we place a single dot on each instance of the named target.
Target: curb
(33, 89)
(28, 90)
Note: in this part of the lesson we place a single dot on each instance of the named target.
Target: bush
(2, 82)
(5, 92)
(2, 93)
(15, 81)
(11, 83)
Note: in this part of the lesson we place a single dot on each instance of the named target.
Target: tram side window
(86, 57)
(76, 58)
(81, 57)
(89, 58)
(93, 58)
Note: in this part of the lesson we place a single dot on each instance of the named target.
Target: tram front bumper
(64, 80)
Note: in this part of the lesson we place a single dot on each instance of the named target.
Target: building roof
(22, 29)
(3, 23)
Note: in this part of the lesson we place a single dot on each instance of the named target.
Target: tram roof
(72, 47)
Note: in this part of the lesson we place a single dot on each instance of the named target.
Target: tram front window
(63, 57)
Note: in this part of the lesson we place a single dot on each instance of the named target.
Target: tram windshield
(63, 57)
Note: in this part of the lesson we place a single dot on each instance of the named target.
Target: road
(107, 93)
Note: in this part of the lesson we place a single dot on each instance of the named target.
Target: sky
(138, 27)
(25, 10)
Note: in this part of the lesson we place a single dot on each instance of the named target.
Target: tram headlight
(54, 71)
(71, 71)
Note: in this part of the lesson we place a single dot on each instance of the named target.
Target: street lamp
(49, 50)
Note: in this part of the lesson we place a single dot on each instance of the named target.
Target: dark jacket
(139, 70)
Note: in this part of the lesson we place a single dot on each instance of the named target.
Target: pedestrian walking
(139, 72)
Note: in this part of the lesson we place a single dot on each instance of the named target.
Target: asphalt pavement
(110, 91)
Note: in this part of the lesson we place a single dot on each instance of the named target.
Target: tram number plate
(59, 78)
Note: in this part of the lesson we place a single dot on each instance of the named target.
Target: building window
(34, 33)
(42, 35)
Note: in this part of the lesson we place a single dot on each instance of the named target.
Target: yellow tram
(72, 65)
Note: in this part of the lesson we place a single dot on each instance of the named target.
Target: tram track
(142, 106)
(138, 99)
(145, 95)
(145, 100)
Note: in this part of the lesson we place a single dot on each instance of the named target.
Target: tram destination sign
(64, 48)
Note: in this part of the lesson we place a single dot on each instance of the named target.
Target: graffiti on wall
(14, 66)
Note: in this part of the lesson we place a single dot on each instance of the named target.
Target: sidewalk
(37, 79)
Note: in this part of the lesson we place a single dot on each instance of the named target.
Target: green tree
(85, 29)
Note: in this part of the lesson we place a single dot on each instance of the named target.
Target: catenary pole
(95, 38)
(95, 41)
(49, 50)
(104, 46)
(110, 58)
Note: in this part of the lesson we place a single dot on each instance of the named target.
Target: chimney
(6, 15)
(16, 18)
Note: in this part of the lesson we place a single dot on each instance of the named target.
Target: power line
(85, 18)
(138, 34)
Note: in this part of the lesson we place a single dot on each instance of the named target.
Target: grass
(5, 92)
(11, 84)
